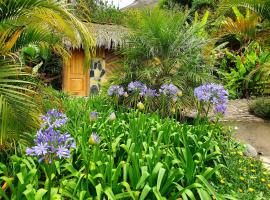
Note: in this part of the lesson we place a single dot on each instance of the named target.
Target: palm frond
(16, 105)
(261, 7)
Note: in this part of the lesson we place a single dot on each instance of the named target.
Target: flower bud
(179, 93)
(94, 139)
(93, 116)
(112, 116)
(140, 106)
(125, 94)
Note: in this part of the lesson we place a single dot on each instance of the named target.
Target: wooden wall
(77, 81)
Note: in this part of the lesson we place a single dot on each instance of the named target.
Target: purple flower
(50, 143)
(54, 118)
(62, 152)
(93, 116)
(169, 90)
(147, 92)
(214, 94)
(136, 86)
(116, 90)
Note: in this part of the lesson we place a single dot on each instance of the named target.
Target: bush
(245, 73)
(162, 49)
(261, 107)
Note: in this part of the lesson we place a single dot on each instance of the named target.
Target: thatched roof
(109, 36)
(142, 4)
(106, 36)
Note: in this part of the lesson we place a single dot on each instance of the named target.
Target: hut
(81, 82)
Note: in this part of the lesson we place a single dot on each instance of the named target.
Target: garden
(156, 130)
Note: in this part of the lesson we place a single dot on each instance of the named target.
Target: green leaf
(108, 191)
(143, 177)
(157, 194)
(203, 194)
(207, 185)
(145, 192)
(20, 177)
(99, 191)
(161, 174)
(40, 193)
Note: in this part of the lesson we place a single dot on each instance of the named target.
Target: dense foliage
(162, 49)
(135, 142)
(98, 11)
(260, 107)
(126, 155)
(26, 23)
(246, 73)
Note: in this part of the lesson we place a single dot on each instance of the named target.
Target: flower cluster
(148, 92)
(136, 86)
(54, 119)
(116, 90)
(214, 94)
(50, 143)
(169, 90)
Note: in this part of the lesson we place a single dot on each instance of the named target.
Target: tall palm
(163, 48)
(22, 22)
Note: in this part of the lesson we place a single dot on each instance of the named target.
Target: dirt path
(249, 128)
(238, 111)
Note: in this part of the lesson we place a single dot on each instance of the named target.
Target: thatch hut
(80, 82)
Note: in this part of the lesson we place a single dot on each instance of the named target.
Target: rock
(266, 162)
(250, 151)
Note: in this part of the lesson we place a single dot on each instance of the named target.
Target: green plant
(193, 4)
(140, 156)
(22, 23)
(244, 177)
(161, 49)
(260, 107)
(247, 73)
(97, 11)
(243, 28)
(262, 7)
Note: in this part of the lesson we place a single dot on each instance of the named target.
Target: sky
(120, 3)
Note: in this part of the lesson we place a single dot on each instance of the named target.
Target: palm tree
(163, 48)
(43, 23)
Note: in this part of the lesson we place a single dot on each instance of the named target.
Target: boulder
(250, 151)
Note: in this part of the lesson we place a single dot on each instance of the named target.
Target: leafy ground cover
(127, 154)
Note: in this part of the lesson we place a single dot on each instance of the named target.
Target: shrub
(246, 73)
(162, 49)
(261, 107)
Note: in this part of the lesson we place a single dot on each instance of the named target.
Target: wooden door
(76, 78)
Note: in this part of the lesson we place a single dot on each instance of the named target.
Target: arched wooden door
(75, 77)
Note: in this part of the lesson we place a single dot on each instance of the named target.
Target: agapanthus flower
(50, 143)
(136, 86)
(93, 116)
(94, 139)
(214, 94)
(169, 90)
(148, 92)
(54, 118)
(116, 90)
